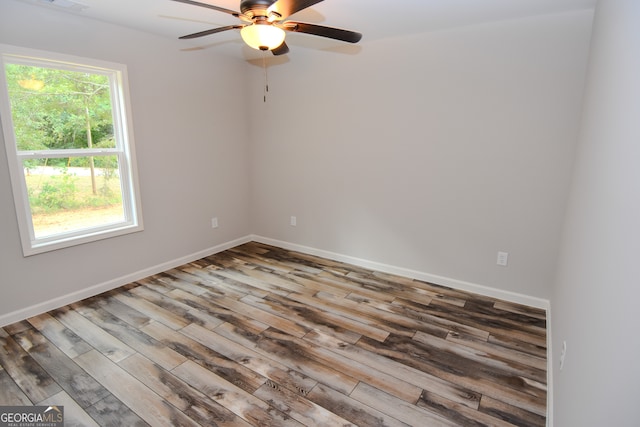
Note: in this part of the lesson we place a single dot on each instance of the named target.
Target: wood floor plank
(254, 255)
(312, 284)
(281, 281)
(350, 367)
(167, 281)
(123, 312)
(420, 321)
(408, 290)
(74, 414)
(64, 338)
(341, 282)
(350, 409)
(152, 310)
(492, 362)
(182, 310)
(10, 393)
(521, 309)
(282, 259)
(16, 328)
(269, 368)
(83, 388)
(445, 292)
(494, 325)
(297, 407)
(205, 304)
(386, 319)
(226, 286)
(180, 394)
(291, 379)
(380, 379)
(242, 277)
(204, 281)
(177, 308)
(263, 316)
(112, 412)
(290, 355)
(100, 339)
(217, 363)
(141, 399)
(439, 294)
(223, 261)
(461, 415)
(399, 409)
(515, 321)
(511, 414)
(237, 400)
(363, 325)
(134, 338)
(504, 339)
(183, 279)
(497, 351)
(264, 336)
(512, 389)
(312, 317)
(31, 378)
(404, 372)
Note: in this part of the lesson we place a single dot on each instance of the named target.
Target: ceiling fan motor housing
(253, 8)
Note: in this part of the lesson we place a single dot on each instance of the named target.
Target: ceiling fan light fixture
(262, 36)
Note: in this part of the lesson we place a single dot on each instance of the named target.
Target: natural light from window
(70, 148)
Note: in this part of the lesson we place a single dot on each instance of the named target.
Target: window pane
(70, 148)
(55, 109)
(71, 194)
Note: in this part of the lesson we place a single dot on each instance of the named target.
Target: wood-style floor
(261, 336)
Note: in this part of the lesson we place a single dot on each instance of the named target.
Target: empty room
(408, 213)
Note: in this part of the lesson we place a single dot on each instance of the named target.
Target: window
(67, 133)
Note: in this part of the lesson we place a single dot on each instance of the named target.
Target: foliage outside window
(69, 147)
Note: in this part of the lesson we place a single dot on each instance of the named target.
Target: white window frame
(124, 150)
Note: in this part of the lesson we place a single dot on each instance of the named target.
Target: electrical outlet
(563, 354)
(293, 221)
(503, 258)
(214, 222)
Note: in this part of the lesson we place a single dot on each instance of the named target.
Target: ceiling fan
(265, 22)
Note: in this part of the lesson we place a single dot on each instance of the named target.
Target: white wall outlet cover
(503, 258)
(563, 354)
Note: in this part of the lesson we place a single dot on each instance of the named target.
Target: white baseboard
(63, 300)
(413, 274)
(549, 371)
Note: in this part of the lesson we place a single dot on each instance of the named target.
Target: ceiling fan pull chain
(266, 76)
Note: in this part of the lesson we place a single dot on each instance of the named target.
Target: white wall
(595, 301)
(430, 152)
(191, 147)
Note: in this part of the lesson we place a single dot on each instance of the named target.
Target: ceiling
(375, 19)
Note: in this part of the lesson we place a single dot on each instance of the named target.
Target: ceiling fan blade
(281, 50)
(210, 6)
(285, 8)
(211, 31)
(319, 30)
